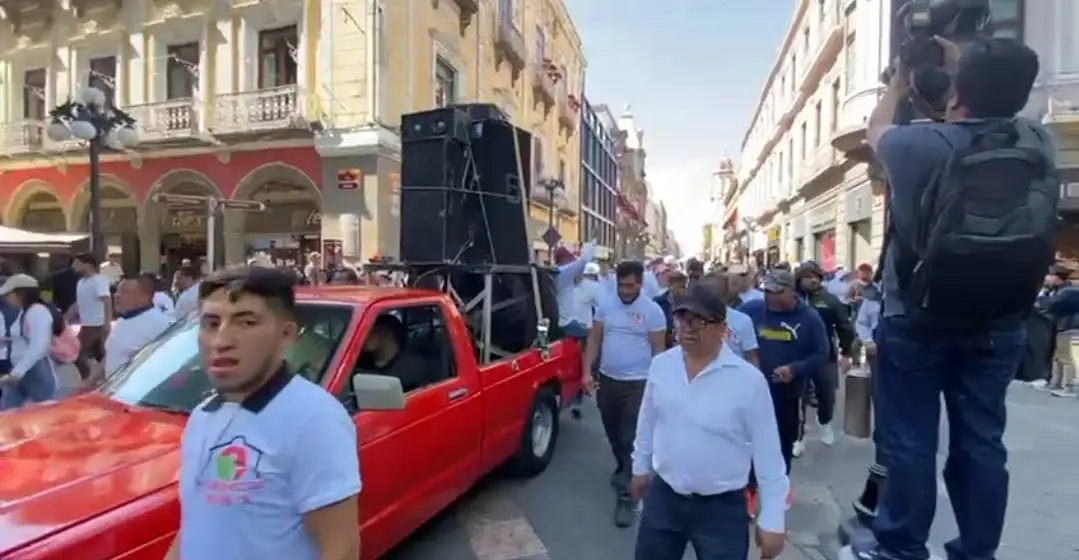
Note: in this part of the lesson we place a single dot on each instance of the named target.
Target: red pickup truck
(94, 476)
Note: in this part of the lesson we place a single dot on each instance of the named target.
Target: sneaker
(625, 511)
(827, 434)
(799, 448)
(1039, 384)
(1065, 393)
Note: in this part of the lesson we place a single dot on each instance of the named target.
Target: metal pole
(97, 233)
(550, 224)
(211, 233)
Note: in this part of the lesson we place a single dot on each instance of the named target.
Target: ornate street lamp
(92, 119)
(555, 190)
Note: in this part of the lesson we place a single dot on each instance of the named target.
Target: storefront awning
(14, 240)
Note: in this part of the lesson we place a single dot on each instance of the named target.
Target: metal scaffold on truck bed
(504, 290)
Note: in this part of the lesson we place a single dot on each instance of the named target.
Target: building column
(150, 236)
(233, 227)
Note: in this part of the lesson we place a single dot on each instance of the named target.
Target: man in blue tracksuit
(793, 345)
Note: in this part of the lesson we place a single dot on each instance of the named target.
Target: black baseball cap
(777, 281)
(702, 302)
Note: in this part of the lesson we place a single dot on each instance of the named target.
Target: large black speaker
(445, 123)
(461, 197)
(438, 226)
(503, 188)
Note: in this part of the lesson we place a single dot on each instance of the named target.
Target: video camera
(959, 21)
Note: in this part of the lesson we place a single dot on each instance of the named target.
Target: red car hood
(65, 462)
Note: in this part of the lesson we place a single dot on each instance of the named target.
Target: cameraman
(970, 361)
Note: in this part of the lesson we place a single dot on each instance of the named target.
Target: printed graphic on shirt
(635, 318)
(786, 332)
(231, 474)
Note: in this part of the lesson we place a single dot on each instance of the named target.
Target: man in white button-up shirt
(705, 419)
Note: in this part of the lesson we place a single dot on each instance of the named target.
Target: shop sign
(773, 236)
(349, 179)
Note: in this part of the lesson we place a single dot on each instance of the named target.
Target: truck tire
(539, 437)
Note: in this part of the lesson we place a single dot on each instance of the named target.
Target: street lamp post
(555, 190)
(92, 119)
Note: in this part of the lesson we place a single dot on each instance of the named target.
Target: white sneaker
(1039, 384)
(827, 434)
(799, 448)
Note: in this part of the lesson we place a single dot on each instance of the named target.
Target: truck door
(427, 454)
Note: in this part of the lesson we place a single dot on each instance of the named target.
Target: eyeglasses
(693, 322)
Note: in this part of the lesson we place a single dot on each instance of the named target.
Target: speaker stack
(461, 192)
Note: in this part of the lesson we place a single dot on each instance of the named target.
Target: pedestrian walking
(705, 419)
(268, 465)
(628, 330)
(93, 309)
(793, 345)
(138, 321)
(741, 335)
(32, 374)
(187, 281)
(824, 382)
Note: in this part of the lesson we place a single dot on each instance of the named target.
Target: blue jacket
(794, 338)
(1062, 304)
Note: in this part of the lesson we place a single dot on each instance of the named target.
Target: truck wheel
(540, 436)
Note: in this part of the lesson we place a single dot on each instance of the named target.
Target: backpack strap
(889, 219)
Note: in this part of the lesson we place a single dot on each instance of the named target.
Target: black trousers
(825, 387)
(787, 402)
(619, 403)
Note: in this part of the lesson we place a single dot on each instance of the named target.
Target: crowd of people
(675, 352)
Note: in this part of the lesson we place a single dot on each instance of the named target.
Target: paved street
(565, 514)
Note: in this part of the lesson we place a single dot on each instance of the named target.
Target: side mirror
(377, 392)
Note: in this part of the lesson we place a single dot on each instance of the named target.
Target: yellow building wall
(422, 30)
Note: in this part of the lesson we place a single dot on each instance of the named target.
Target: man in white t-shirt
(187, 284)
(138, 321)
(92, 310)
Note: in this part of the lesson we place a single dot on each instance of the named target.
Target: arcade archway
(170, 233)
(119, 219)
(36, 206)
(291, 225)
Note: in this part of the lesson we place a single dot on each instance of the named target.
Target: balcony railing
(259, 111)
(175, 119)
(509, 42)
(22, 137)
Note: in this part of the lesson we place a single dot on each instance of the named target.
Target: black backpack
(986, 230)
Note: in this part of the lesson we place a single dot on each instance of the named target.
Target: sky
(692, 71)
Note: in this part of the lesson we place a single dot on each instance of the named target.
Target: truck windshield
(168, 374)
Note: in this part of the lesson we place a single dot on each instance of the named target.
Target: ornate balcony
(567, 109)
(21, 137)
(175, 119)
(824, 53)
(468, 10)
(542, 83)
(823, 161)
(509, 43)
(264, 110)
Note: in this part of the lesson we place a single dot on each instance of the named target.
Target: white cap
(17, 281)
(591, 268)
